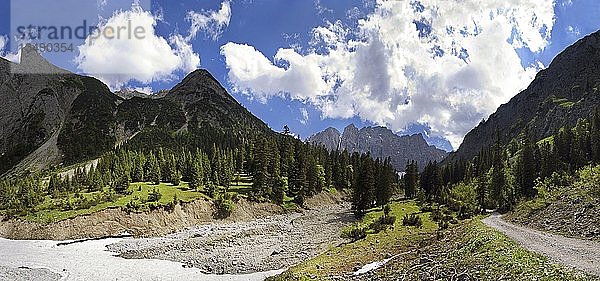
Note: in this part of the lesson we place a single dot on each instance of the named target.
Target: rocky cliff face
(330, 138)
(381, 143)
(33, 106)
(567, 90)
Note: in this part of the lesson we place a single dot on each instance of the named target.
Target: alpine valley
(188, 184)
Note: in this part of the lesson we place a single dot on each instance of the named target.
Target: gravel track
(580, 254)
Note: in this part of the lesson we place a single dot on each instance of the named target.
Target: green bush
(354, 233)
(223, 205)
(133, 207)
(377, 226)
(436, 215)
(412, 220)
(154, 196)
(387, 209)
(463, 200)
(589, 179)
(382, 223)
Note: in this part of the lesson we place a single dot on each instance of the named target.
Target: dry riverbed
(260, 245)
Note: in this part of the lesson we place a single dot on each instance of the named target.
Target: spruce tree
(153, 169)
(411, 180)
(363, 195)
(385, 182)
(525, 168)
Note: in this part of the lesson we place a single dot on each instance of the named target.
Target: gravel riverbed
(271, 243)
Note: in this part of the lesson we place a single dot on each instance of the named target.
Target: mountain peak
(332, 130)
(330, 138)
(198, 85)
(199, 77)
(30, 55)
(32, 62)
(351, 129)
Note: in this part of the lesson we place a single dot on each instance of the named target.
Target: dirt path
(580, 254)
(266, 244)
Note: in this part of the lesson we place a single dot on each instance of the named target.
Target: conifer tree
(298, 182)
(196, 178)
(152, 169)
(411, 182)
(385, 182)
(363, 195)
(526, 168)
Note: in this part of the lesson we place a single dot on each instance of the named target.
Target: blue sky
(414, 66)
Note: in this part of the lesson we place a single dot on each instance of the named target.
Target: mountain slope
(57, 117)
(381, 143)
(567, 90)
(33, 106)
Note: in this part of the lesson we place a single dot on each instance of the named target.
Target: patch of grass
(549, 140)
(241, 185)
(486, 254)
(374, 247)
(563, 102)
(473, 251)
(497, 256)
(48, 213)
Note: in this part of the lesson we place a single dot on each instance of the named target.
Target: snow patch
(371, 266)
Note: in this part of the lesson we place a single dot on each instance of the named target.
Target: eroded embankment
(112, 222)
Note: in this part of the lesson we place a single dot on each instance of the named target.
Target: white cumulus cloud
(6, 53)
(211, 22)
(117, 60)
(445, 64)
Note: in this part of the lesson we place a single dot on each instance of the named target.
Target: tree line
(279, 167)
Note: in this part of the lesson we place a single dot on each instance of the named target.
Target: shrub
(558, 180)
(153, 206)
(382, 223)
(463, 199)
(132, 207)
(589, 179)
(387, 209)
(171, 205)
(223, 205)
(210, 189)
(412, 220)
(436, 215)
(354, 233)
(154, 196)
